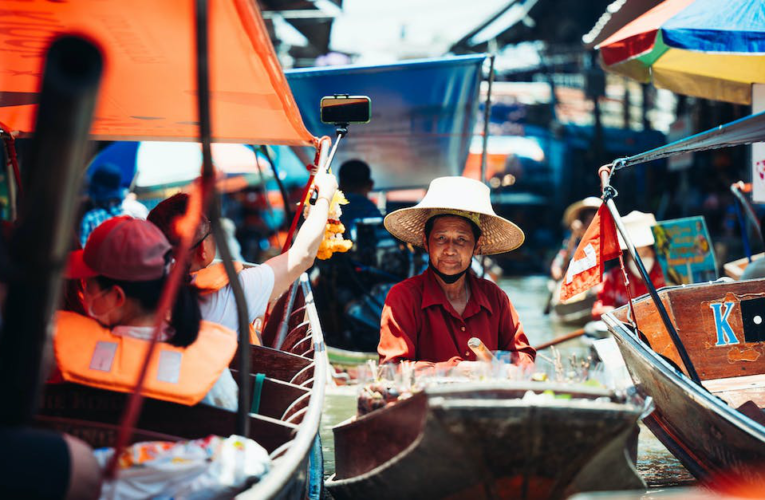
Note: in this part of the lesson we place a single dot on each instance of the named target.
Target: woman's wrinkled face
(451, 244)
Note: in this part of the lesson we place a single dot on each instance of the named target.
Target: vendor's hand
(326, 185)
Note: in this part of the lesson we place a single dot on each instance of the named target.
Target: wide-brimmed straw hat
(638, 226)
(574, 211)
(457, 196)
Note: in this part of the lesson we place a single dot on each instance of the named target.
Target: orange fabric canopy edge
(149, 87)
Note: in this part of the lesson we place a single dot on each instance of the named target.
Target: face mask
(448, 278)
(648, 262)
(89, 309)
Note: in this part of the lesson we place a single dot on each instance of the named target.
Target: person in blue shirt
(356, 183)
(106, 196)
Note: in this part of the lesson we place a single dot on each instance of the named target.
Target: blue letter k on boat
(725, 335)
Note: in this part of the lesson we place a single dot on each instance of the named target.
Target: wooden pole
(561, 339)
(41, 244)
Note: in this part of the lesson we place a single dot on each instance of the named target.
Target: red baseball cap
(123, 249)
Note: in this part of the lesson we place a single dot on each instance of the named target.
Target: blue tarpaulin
(423, 114)
(733, 26)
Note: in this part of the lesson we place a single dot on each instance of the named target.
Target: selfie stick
(342, 131)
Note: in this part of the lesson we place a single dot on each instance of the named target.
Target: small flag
(598, 245)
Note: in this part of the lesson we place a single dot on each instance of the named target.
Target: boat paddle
(561, 339)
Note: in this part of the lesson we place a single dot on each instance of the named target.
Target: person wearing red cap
(124, 267)
(261, 284)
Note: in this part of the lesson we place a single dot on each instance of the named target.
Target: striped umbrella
(713, 49)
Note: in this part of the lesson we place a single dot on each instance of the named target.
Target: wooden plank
(713, 444)
(97, 435)
(271, 328)
(299, 314)
(189, 422)
(736, 268)
(273, 363)
(276, 396)
(375, 438)
(692, 308)
(296, 335)
(691, 311)
(738, 390)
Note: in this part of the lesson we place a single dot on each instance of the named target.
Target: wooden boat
(736, 268)
(716, 428)
(285, 423)
(483, 440)
(158, 106)
(576, 311)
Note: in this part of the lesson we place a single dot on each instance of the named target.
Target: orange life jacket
(89, 354)
(212, 278)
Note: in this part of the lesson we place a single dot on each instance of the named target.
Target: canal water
(529, 295)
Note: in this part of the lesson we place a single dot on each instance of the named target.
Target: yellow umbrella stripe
(718, 76)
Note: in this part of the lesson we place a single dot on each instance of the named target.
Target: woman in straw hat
(429, 318)
(577, 218)
(614, 292)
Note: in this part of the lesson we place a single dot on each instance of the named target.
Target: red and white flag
(598, 245)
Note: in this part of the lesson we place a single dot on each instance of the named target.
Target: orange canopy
(149, 85)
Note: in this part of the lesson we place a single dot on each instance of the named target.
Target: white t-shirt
(220, 307)
(224, 394)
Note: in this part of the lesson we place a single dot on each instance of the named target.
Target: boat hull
(711, 439)
(483, 443)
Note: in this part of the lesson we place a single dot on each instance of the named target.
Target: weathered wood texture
(79, 402)
(295, 341)
(477, 444)
(736, 268)
(711, 439)
(690, 308)
(377, 437)
(275, 315)
(738, 390)
(277, 396)
(273, 363)
(98, 435)
(271, 328)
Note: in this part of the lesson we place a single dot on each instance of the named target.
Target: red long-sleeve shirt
(414, 323)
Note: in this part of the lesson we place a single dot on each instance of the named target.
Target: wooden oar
(562, 338)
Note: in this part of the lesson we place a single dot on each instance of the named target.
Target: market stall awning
(423, 113)
(149, 86)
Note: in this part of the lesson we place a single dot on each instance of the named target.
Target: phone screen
(345, 109)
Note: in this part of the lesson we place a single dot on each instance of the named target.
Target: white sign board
(758, 149)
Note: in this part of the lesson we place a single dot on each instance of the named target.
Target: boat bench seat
(738, 390)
